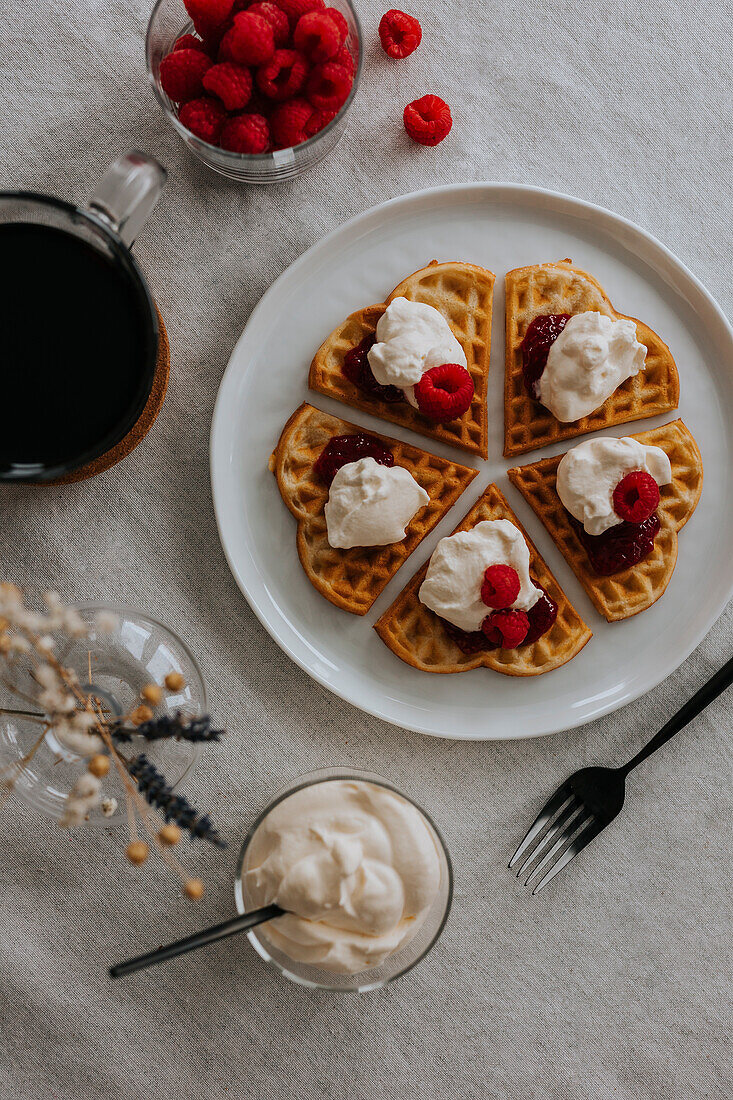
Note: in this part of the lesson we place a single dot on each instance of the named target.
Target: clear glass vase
(167, 23)
(113, 665)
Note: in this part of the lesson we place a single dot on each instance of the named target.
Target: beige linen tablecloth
(612, 986)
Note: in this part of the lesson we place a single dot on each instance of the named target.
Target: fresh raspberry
(277, 19)
(636, 497)
(181, 73)
(288, 121)
(428, 120)
(318, 121)
(329, 86)
(345, 60)
(188, 42)
(507, 629)
(249, 40)
(444, 392)
(209, 16)
(295, 8)
(232, 83)
(341, 25)
(284, 76)
(317, 36)
(399, 33)
(204, 117)
(500, 586)
(246, 134)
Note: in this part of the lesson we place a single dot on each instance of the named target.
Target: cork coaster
(142, 425)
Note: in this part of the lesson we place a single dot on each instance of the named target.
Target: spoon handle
(200, 939)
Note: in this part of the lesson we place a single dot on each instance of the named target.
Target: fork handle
(722, 679)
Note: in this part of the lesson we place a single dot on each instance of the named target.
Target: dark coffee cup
(79, 324)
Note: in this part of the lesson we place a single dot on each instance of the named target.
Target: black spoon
(192, 943)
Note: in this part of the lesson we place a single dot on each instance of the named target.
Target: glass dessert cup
(138, 651)
(168, 22)
(394, 965)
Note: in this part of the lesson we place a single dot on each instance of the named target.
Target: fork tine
(562, 839)
(576, 844)
(563, 825)
(558, 800)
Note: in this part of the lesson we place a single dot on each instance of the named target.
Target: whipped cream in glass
(411, 338)
(355, 864)
(590, 359)
(589, 473)
(452, 585)
(370, 504)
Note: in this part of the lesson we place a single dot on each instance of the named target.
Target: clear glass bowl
(167, 22)
(139, 651)
(394, 965)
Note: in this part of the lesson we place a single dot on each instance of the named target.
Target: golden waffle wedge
(562, 288)
(463, 293)
(623, 594)
(352, 579)
(417, 635)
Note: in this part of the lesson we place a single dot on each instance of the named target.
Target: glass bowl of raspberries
(258, 90)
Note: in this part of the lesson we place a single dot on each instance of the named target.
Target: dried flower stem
(140, 805)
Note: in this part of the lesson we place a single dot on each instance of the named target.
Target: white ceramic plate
(499, 226)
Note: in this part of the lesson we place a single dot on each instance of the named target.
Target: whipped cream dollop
(411, 338)
(589, 473)
(355, 865)
(452, 585)
(370, 504)
(590, 359)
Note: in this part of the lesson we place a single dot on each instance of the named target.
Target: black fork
(591, 798)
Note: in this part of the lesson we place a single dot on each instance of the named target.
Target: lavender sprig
(174, 807)
(169, 725)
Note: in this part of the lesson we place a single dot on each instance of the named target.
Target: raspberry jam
(350, 448)
(356, 368)
(541, 618)
(468, 641)
(539, 337)
(621, 546)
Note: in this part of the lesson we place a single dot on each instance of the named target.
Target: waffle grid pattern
(463, 293)
(416, 635)
(623, 594)
(352, 579)
(561, 288)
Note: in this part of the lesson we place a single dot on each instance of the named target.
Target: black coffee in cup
(79, 326)
(77, 336)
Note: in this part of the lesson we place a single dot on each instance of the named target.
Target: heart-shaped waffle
(623, 594)
(352, 579)
(417, 635)
(562, 288)
(463, 293)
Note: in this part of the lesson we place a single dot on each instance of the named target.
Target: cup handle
(127, 192)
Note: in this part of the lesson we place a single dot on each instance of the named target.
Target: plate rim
(498, 191)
